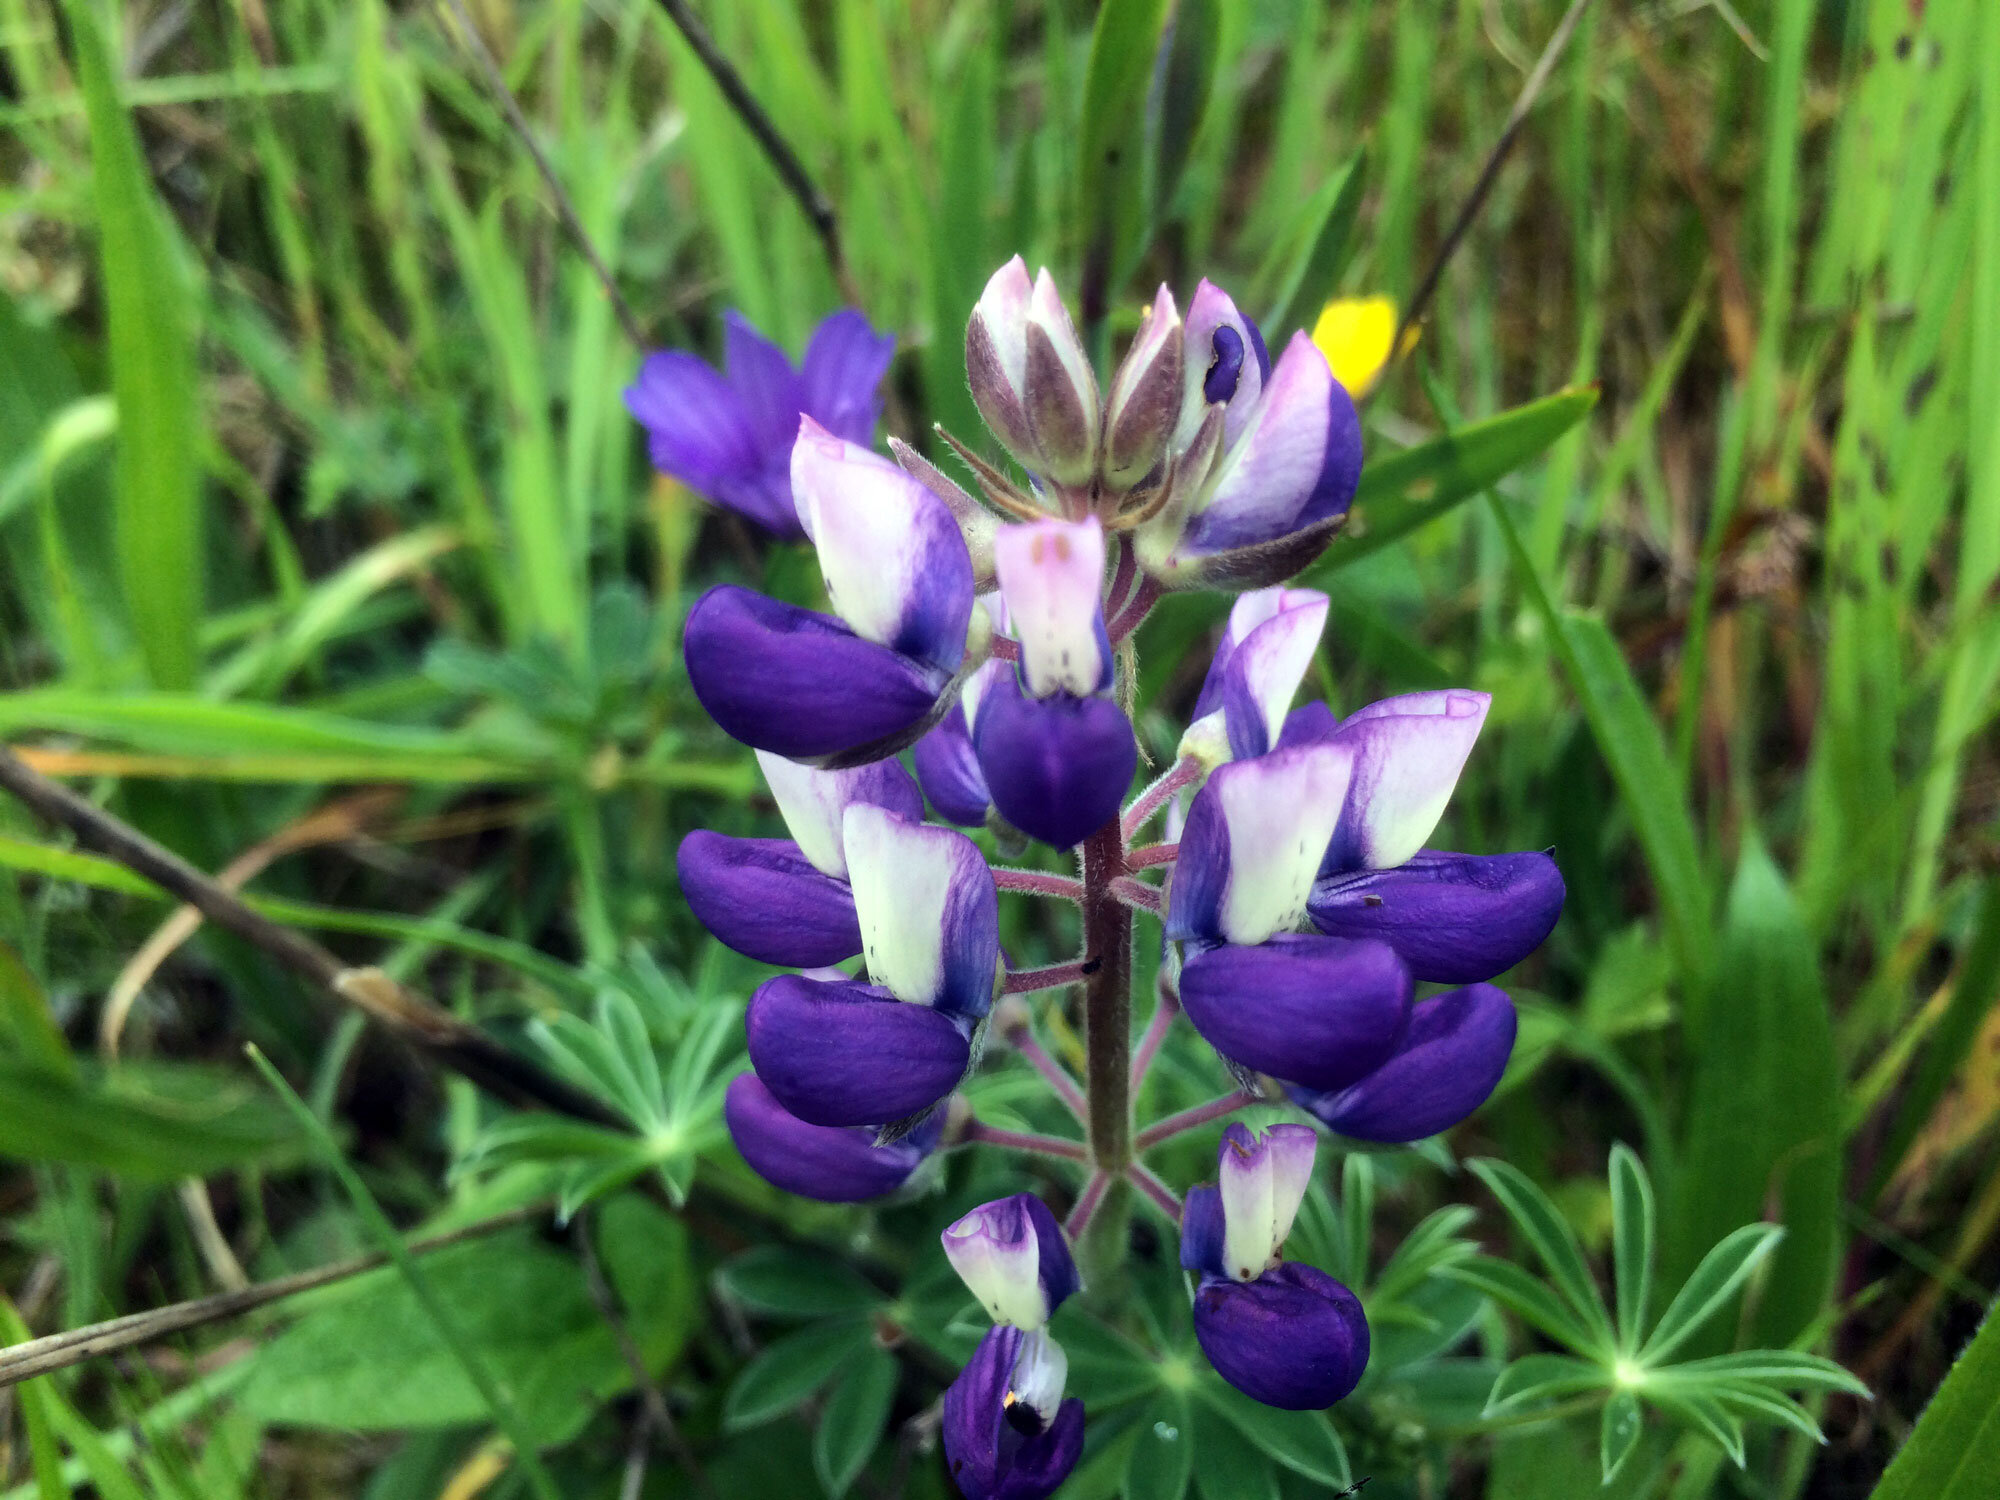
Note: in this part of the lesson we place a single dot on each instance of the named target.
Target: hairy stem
(1086, 1204)
(1037, 883)
(1053, 1073)
(1107, 1009)
(1135, 893)
(979, 1132)
(1157, 1028)
(1051, 977)
(1153, 854)
(1157, 1192)
(1181, 773)
(1193, 1119)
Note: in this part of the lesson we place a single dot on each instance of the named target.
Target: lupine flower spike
(1301, 900)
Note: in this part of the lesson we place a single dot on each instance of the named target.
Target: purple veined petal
(763, 898)
(831, 1164)
(1317, 1011)
(1454, 918)
(1450, 1060)
(1052, 578)
(798, 683)
(1264, 483)
(842, 376)
(1060, 394)
(1003, 307)
(1266, 668)
(764, 380)
(997, 1448)
(1340, 467)
(764, 496)
(695, 421)
(1058, 767)
(1014, 1258)
(1294, 1338)
(1246, 862)
(1143, 405)
(948, 770)
(1202, 1231)
(929, 912)
(837, 1052)
(894, 561)
(1309, 724)
(1224, 354)
(814, 803)
(1263, 1179)
(1408, 752)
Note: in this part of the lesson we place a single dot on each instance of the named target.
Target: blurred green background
(333, 560)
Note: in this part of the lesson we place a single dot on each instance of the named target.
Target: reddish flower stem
(1169, 1006)
(1135, 893)
(1181, 773)
(1161, 1195)
(1107, 999)
(1050, 977)
(1037, 883)
(1192, 1119)
(979, 1132)
(1133, 613)
(1053, 1073)
(1086, 1204)
(1153, 854)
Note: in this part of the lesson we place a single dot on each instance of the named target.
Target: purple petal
(700, 431)
(844, 366)
(763, 378)
(929, 913)
(988, 1454)
(1247, 857)
(1015, 1258)
(1340, 468)
(1052, 580)
(1294, 1338)
(1317, 1011)
(1262, 685)
(814, 803)
(1272, 475)
(1408, 752)
(948, 770)
(1202, 1231)
(765, 899)
(1450, 1060)
(839, 1052)
(797, 683)
(1309, 724)
(830, 1164)
(893, 558)
(1226, 369)
(1454, 918)
(1058, 767)
(1217, 337)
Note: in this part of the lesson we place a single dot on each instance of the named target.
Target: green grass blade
(1954, 1451)
(149, 320)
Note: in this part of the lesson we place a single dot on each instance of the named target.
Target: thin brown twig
(434, 1031)
(58, 1351)
(1489, 173)
(496, 82)
(791, 171)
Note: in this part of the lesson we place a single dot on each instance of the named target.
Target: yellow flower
(1354, 334)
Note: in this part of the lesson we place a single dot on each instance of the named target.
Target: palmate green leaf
(1403, 491)
(1763, 1118)
(1715, 1280)
(1544, 1227)
(792, 1369)
(1227, 1466)
(1536, 1378)
(1513, 1288)
(1302, 1441)
(784, 1282)
(1755, 1403)
(1777, 1367)
(1104, 1362)
(1705, 1416)
(857, 1409)
(1618, 1432)
(154, 376)
(1162, 1459)
(1632, 1242)
(1953, 1453)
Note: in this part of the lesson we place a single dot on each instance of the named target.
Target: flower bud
(1030, 377)
(1144, 406)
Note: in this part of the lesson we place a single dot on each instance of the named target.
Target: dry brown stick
(434, 1031)
(1489, 173)
(58, 1351)
(818, 208)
